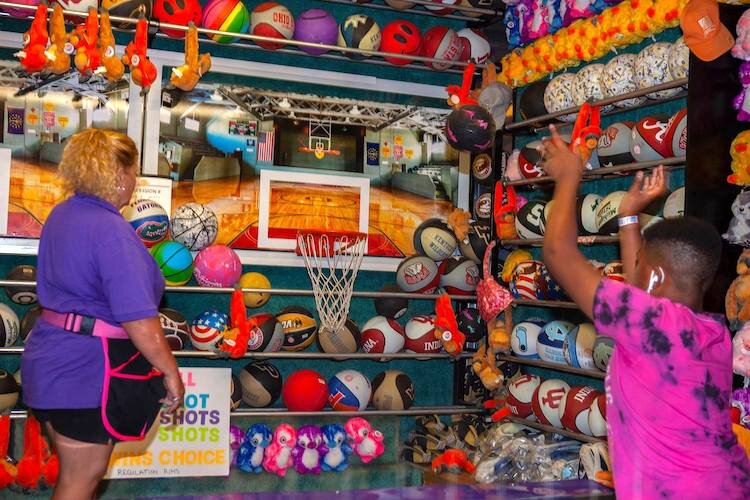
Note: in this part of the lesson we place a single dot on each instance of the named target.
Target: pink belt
(84, 325)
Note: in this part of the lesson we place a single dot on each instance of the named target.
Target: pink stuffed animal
(742, 101)
(741, 351)
(367, 442)
(741, 49)
(278, 455)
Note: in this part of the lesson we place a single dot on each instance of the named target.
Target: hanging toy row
(38, 468)
(308, 449)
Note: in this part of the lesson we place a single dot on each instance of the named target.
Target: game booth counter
(347, 203)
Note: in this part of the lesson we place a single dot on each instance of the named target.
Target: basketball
(530, 220)
(578, 347)
(180, 12)
(175, 327)
(613, 147)
(606, 213)
(127, 8)
(586, 210)
(523, 339)
(194, 225)
(382, 335)
(647, 139)
(478, 238)
(391, 307)
(652, 68)
(207, 329)
(441, 42)
(235, 392)
(676, 137)
(547, 399)
(175, 262)
(10, 326)
(149, 220)
(349, 390)
(598, 416)
(419, 334)
(299, 327)
(266, 334)
(514, 258)
(400, 37)
(217, 266)
(418, 274)
(305, 390)
(674, 206)
(525, 279)
(28, 321)
(531, 103)
(575, 406)
(225, 15)
(316, 26)
(359, 32)
(392, 390)
(399, 4)
(470, 323)
(345, 341)
(478, 43)
(261, 384)
(603, 347)
(520, 394)
(272, 20)
(470, 128)
(22, 294)
(529, 159)
(459, 276)
(551, 339)
(439, 9)
(21, 13)
(618, 77)
(254, 280)
(9, 390)
(435, 239)
(481, 169)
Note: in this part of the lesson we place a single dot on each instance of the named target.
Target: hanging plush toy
(458, 220)
(310, 450)
(738, 232)
(741, 103)
(58, 53)
(114, 69)
(740, 153)
(737, 301)
(35, 42)
(504, 211)
(38, 466)
(586, 131)
(460, 96)
(7, 467)
(741, 352)
(368, 442)
(741, 48)
(186, 77)
(278, 455)
(485, 367)
(85, 40)
(446, 326)
(337, 456)
(234, 341)
(253, 448)
(492, 299)
(142, 70)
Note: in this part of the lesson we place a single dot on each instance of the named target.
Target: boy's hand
(558, 161)
(643, 191)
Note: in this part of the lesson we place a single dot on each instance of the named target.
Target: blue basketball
(551, 340)
(349, 390)
(149, 219)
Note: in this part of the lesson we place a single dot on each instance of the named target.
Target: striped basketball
(523, 282)
(359, 32)
(149, 219)
(175, 262)
(207, 329)
(274, 21)
(194, 225)
(226, 15)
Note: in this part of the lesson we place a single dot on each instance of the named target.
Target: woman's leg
(82, 466)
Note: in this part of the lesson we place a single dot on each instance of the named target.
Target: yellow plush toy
(59, 50)
(666, 13)
(114, 69)
(737, 302)
(740, 152)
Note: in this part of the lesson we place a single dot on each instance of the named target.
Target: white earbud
(655, 279)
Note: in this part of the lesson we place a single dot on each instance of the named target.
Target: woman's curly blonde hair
(92, 161)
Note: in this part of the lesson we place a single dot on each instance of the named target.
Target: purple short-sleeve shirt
(90, 262)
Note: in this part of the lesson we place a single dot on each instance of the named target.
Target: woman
(90, 363)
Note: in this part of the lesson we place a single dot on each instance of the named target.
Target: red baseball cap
(704, 34)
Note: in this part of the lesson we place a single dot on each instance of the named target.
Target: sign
(192, 442)
(158, 189)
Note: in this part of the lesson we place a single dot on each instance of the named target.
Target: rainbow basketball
(316, 26)
(174, 261)
(359, 32)
(349, 390)
(274, 21)
(226, 15)
(149, 219)
(217, 266)
(207, 329)
(194, 225)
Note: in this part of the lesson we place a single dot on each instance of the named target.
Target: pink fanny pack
(83, 325)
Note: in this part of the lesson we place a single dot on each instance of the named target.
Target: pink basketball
(21, 12)
(217, 266)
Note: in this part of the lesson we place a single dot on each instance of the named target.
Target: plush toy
(236, 436)
(458, 220)
(740, 152)
(310, 450)
(492, 299)
(337, 456)
(7, 467)
(114, 69)
(38, 466)
(741, 103)
(504, 210)
(586, 131)
(278, 455)
(85, 40)
(738, 232)
(368, 442)
(665, 13)
(453, 461)
(493, 96)
(234, 340)
(538, 23)
(741, 401)
(446, 326)
(499, 334)
(186, 77)
(252, 450)
(59, 50)
(741, 351)
(142, 70)
(485, 367)
(741, 48)
(35, 40)
(460, 95)
(737, 302)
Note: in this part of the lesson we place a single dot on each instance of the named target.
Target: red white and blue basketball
(207, 329)
(551, 339)
(217, 266)
(392, 390)
(435, 239)
(359, 31)
(266, 334)
(400, 37)
(349, 390)
(547, 288)
(149, 219)
(598, 416)
(459, 276)
(316, 26)
(547, 399)
(194, 225)
(174, 261)
(230, 16)
(382, 335)
(575, 406)
(525, 278)
(9, 326)
(578, 347)
(418, 274)
(520, 394)
(22, 294)
(419, 334)
(441, 42)
(175, 327)
(523, 339)
(272, 20)
(470, 128)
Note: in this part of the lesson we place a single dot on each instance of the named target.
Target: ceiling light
(355, 110)
(284, 104)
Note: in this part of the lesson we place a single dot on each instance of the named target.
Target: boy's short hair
(690, 247)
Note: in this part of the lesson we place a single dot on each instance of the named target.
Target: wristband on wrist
(626, 221)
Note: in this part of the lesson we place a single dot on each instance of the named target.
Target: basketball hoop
(332, 260)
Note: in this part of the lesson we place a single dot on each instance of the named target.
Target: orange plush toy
(39, 466)
(114, 69)
(35, 42)
(85, 39)
(446, 326)
(58, 53)
(142, 70)
(461, 95)
(234, 341)
(186, 77)
(7, 468)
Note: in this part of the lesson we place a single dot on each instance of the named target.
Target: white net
(332, 263)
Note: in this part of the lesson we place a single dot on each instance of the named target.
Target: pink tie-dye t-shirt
(668, 390)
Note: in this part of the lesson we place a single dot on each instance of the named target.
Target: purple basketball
(470, 128)
(316, 26)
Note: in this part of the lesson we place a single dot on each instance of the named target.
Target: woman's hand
(558, 161)
(643, 191)
(175, 392)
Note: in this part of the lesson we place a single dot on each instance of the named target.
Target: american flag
(265, 146)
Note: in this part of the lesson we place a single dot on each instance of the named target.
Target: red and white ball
(648, 140)
(597, 417)
(272, 20)
(677, 133)
(575, 406)
(520, 394)
(418, 274)
(419, 335)
(479, 44)
(441, 42)
(547, 400)
(459, 276)
(382, 335)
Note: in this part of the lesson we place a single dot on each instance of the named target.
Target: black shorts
(79, 424)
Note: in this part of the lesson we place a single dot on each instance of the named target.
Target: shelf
(552, 304)
(604, 172)
(582, 240)
(538, 363)
(284, 413)
(548, 428)
(425, 12)
(537, 120)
